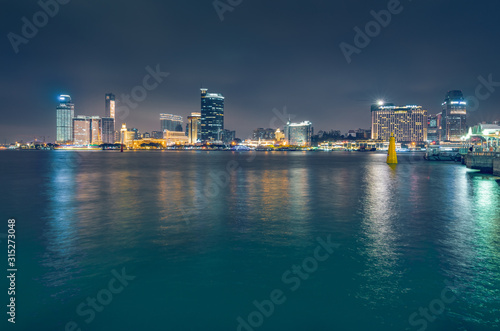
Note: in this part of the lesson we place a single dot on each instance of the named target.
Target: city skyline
(307, 75)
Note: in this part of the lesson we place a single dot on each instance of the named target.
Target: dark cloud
(264, 55)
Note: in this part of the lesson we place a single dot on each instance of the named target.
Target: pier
(487, 162)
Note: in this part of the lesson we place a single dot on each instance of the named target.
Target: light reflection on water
(403, 231)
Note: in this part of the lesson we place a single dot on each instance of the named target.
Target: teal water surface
(201, 240)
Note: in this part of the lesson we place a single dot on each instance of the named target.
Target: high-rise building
(86, 130)
(212, 116)
(109, 105)
(434, 128)
(454, 116)
(298, 134)
(171, 122)
(65, 113)
(193, 127)
(228, 136)
(408, 123)
(108, 130)
(108, 125)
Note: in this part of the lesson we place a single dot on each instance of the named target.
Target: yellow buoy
(392, 157)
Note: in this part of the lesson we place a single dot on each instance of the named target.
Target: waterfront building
(298, 134)
(408, 123)
(212, 116)
(279, 135)
(175, 138)
(228, 136)
(193, 128)
(170, 122)
(434, 128)
(127, 136)
(65, 113)
(149, 143)
(261, 133)
(157, 134)
(108, 130)
(146, 135)
(109, 105)
(454, 116)
(137, 134)
(87, 130)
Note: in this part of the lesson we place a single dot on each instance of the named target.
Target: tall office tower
(193, 127)
(108, 137)
(109, 105)
(108, 130)
(408, 123)
(299, 134)
(65, 113)
(434, 128)
(454, 118)
(87, 130)
(212, 116)
(170, 122)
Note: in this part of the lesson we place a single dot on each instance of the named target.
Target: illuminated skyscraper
(171, 122)
(193, 127)
(108, 130)
(299, 134)
(454, 116)
(86, 130)
(108, 121)
(212, 116)
(408, 123)
(65, 113)
(109, 105)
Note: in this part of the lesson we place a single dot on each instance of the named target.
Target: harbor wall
(496, 166)
(480, 161)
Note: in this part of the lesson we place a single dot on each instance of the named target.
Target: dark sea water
(209, 236)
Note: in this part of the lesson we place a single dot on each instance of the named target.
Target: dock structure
(487, 162)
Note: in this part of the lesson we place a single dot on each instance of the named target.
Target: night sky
(263, 55)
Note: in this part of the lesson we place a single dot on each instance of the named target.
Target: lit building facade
(65, 113)
(108, 130)
(299, 134)
(86, 130)
(408, 123)
(279, 135)
(171, 122)
(434, 128)
(194, 128)
(127, 136)
(454, 116)
(109, 105)
(212, 116)
(175, 137)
